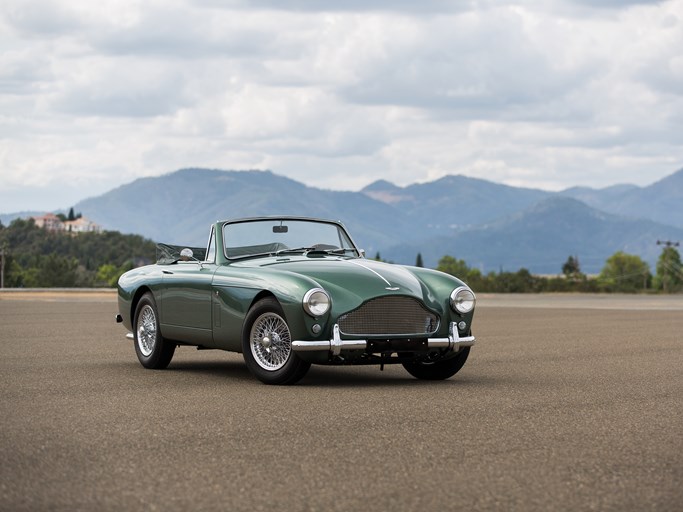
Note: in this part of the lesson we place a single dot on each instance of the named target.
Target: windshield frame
(352, 249)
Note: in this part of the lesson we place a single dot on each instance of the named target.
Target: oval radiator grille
(389, 316)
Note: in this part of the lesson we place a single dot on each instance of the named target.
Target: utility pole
(2, 266)
(668, 243)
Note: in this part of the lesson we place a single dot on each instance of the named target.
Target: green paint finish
(205, 303)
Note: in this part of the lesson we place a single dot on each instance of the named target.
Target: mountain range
(489, 225)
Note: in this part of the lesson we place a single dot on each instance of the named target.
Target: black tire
(438, 370)
(267, 345)
(152, 349)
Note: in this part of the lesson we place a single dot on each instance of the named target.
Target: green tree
(669, 277)
(625, 273)
(571, 268)
(107, 275)
(52, 271)
(71, 216)
(472, 276)
(476, 280)
(39, 256)
(515, 282)
(418, 260)
(13, 275)
(453, 266)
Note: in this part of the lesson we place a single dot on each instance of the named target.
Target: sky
(544, 94)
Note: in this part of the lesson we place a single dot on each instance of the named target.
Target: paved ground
(562, 406)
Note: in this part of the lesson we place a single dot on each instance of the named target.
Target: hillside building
(82, 225)
(51, 222)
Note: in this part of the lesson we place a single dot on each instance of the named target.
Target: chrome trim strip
(335, 345)
(454, 342)
(226, 222)
(310, 346)
(403, 334)
(373, 271)
(336, 342)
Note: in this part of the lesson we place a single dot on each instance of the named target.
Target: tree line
(37, 258)
(622, 273)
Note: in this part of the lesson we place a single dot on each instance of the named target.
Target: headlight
(462, 300)
(316, 302)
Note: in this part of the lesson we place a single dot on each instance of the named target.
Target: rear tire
(438, 370)
(153, 351)
(267, 345)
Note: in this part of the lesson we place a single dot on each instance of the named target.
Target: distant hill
(542, 237)
(490, 225)
(455, 201)
(661, 202)
(592, 196)
(178, 207)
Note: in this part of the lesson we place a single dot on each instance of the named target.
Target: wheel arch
(291, 309)
(136, 298)
(262, 295)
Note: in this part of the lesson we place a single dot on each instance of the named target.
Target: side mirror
(362, 253)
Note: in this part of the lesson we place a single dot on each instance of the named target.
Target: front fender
(235, 295)
(128, 286)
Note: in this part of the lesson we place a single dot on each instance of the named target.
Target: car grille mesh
(389, 316)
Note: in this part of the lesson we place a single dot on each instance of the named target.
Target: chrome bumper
(454, 342)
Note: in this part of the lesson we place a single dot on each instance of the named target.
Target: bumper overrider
(454, 342)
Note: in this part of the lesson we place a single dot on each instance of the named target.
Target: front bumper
(454, 342)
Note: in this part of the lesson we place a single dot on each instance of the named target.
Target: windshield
(285, 236)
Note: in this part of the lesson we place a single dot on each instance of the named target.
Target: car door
(186, 301)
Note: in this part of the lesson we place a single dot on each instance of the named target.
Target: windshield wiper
(294, 250)
(315, 250)
(341, 250)
(254, 255)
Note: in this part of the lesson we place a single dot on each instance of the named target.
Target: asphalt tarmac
(563, 405)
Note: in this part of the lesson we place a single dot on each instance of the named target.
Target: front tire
(438, 370)
(267, 345)
(152, 349)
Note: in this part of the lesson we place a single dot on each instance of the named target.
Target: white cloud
(337, 94)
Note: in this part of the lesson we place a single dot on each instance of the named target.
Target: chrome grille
(390, 316)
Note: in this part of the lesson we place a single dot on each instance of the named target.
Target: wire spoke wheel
(270, 341)
(152, 349)
(147, 330)
(267, 345)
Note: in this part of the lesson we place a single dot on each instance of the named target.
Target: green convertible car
(287, 292)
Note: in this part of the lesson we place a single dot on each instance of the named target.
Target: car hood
(349, 282)
(359, 274)
(361, 277)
